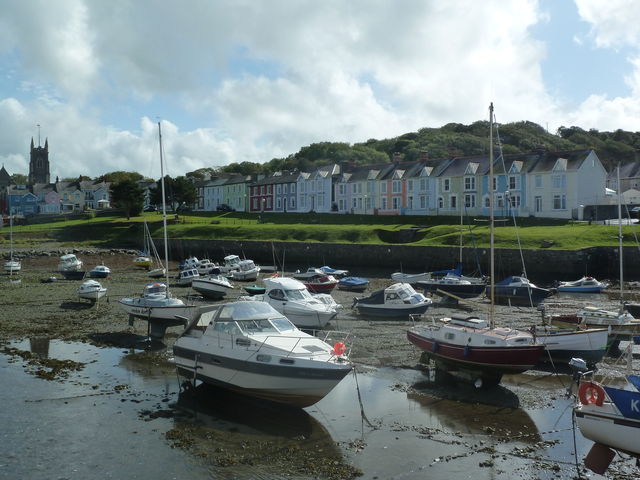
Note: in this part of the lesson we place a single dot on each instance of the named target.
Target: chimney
(396, 157)
(424, 156)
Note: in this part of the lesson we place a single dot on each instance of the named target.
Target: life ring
(339, 348)
(591, 393)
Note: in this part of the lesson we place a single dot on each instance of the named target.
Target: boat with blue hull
(399, 300)
(353, 284)
(518, 290)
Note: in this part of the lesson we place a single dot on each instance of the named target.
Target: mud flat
(66, 357)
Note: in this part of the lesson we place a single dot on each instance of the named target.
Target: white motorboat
(91, 290)
(247, 271)
(620, 324)
(212, 286)
(100, 271)
(186, 277)
(204, 266)
(399, 300)
(69, 263)
(410, 278)
(291, 298)
(582, 285)
(231, 263)
(251, 348)
(12, 265)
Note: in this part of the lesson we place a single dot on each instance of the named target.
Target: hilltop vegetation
(453, 139)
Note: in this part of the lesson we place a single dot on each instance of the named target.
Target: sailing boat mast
(164, 213)
(620, 235)
(491, 225)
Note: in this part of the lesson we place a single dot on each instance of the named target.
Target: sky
(253, 80)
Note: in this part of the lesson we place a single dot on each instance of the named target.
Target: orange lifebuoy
(339, 348)
(274, 275)
(591, 393)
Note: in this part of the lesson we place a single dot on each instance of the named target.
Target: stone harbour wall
(541, 265)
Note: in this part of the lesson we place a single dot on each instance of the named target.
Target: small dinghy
(353, 284)
(254, 290)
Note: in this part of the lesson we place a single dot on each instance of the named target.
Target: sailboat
(474, 348)
(156, 305)
(156, 268)
(11, 266)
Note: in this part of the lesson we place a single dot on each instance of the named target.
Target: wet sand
(460, 428)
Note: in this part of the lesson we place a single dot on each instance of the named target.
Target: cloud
(249, 80)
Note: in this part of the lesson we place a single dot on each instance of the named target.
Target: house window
(453, 202)
(446, 185)
(293, 188)
(513, 182)
(469, 200)
(384, 203)
(559, 181)
(423, 184)
(559, 202)
(440, 202)
(262, 190)
(499, 201)
(278, 203)
(396, 186)
(410, 185)
(495, 183)
(353, 203)
(538, 179)
(469, 183)
(279, 189)
(268, 202)
(487, 201)
(423, 201)
(371, 187)
(367, 202)
(514, 201)
(341, 189)
(396, 203)
(341, 204)
(360, 202)
(285, 187)
(538, 204)
(410, 202)
(383, 187)
(255, 203)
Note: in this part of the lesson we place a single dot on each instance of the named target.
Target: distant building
(39, 164)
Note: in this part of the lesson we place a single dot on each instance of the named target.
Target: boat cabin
(467, 321)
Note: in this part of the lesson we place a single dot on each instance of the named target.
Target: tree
(128, 195)
(19, 179)
(119, 176)
(178, 191)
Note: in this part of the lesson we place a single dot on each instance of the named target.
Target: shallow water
(122, 416)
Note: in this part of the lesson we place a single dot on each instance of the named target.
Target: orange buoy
(339, 348)
(591, 393)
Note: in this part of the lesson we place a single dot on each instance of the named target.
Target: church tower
(39, 163)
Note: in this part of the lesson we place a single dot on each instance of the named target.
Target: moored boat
(454, 285)
(91, 290)
(246, 271)
(212, 286)
(320, 283)
(292, 298)
(518, 290)
(186, 277)
(69, 263)
(410, 278)
(100, 271)
(251, 348)
(353, 284)
(399, 300)
(582, 285)
(334, 271)
(562, 345)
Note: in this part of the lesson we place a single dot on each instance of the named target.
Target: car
(225, 208)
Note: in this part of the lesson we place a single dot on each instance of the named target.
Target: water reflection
(252, 435)
(460, 407)
(40, 346)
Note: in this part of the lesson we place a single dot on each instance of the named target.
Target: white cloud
(614, 23)
(253, 80)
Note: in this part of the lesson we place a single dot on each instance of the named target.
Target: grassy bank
(364, 229)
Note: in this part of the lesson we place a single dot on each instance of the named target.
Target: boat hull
(606, 426)
(580, 289)
(394, 311)
(210, 290)
(521, 296)
(463, 291)
(561, 347)
(490, 362)
(93, 274)
(298, 384)
(93, 295)
(140, 310)
(73, 275)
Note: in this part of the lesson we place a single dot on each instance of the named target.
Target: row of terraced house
(541, 184)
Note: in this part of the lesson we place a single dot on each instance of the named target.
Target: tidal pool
(122, 415)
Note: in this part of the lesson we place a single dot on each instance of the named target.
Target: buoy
(591, 393)
(339, 348)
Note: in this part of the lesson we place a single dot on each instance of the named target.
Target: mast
(620, 234)
(491, 225)
(164, 213)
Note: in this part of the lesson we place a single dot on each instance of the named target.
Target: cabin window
(449, 336)
(287, 361)
(277, 294)
(489, 342)
(263, 358)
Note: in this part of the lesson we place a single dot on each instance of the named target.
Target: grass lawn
(332, 228)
